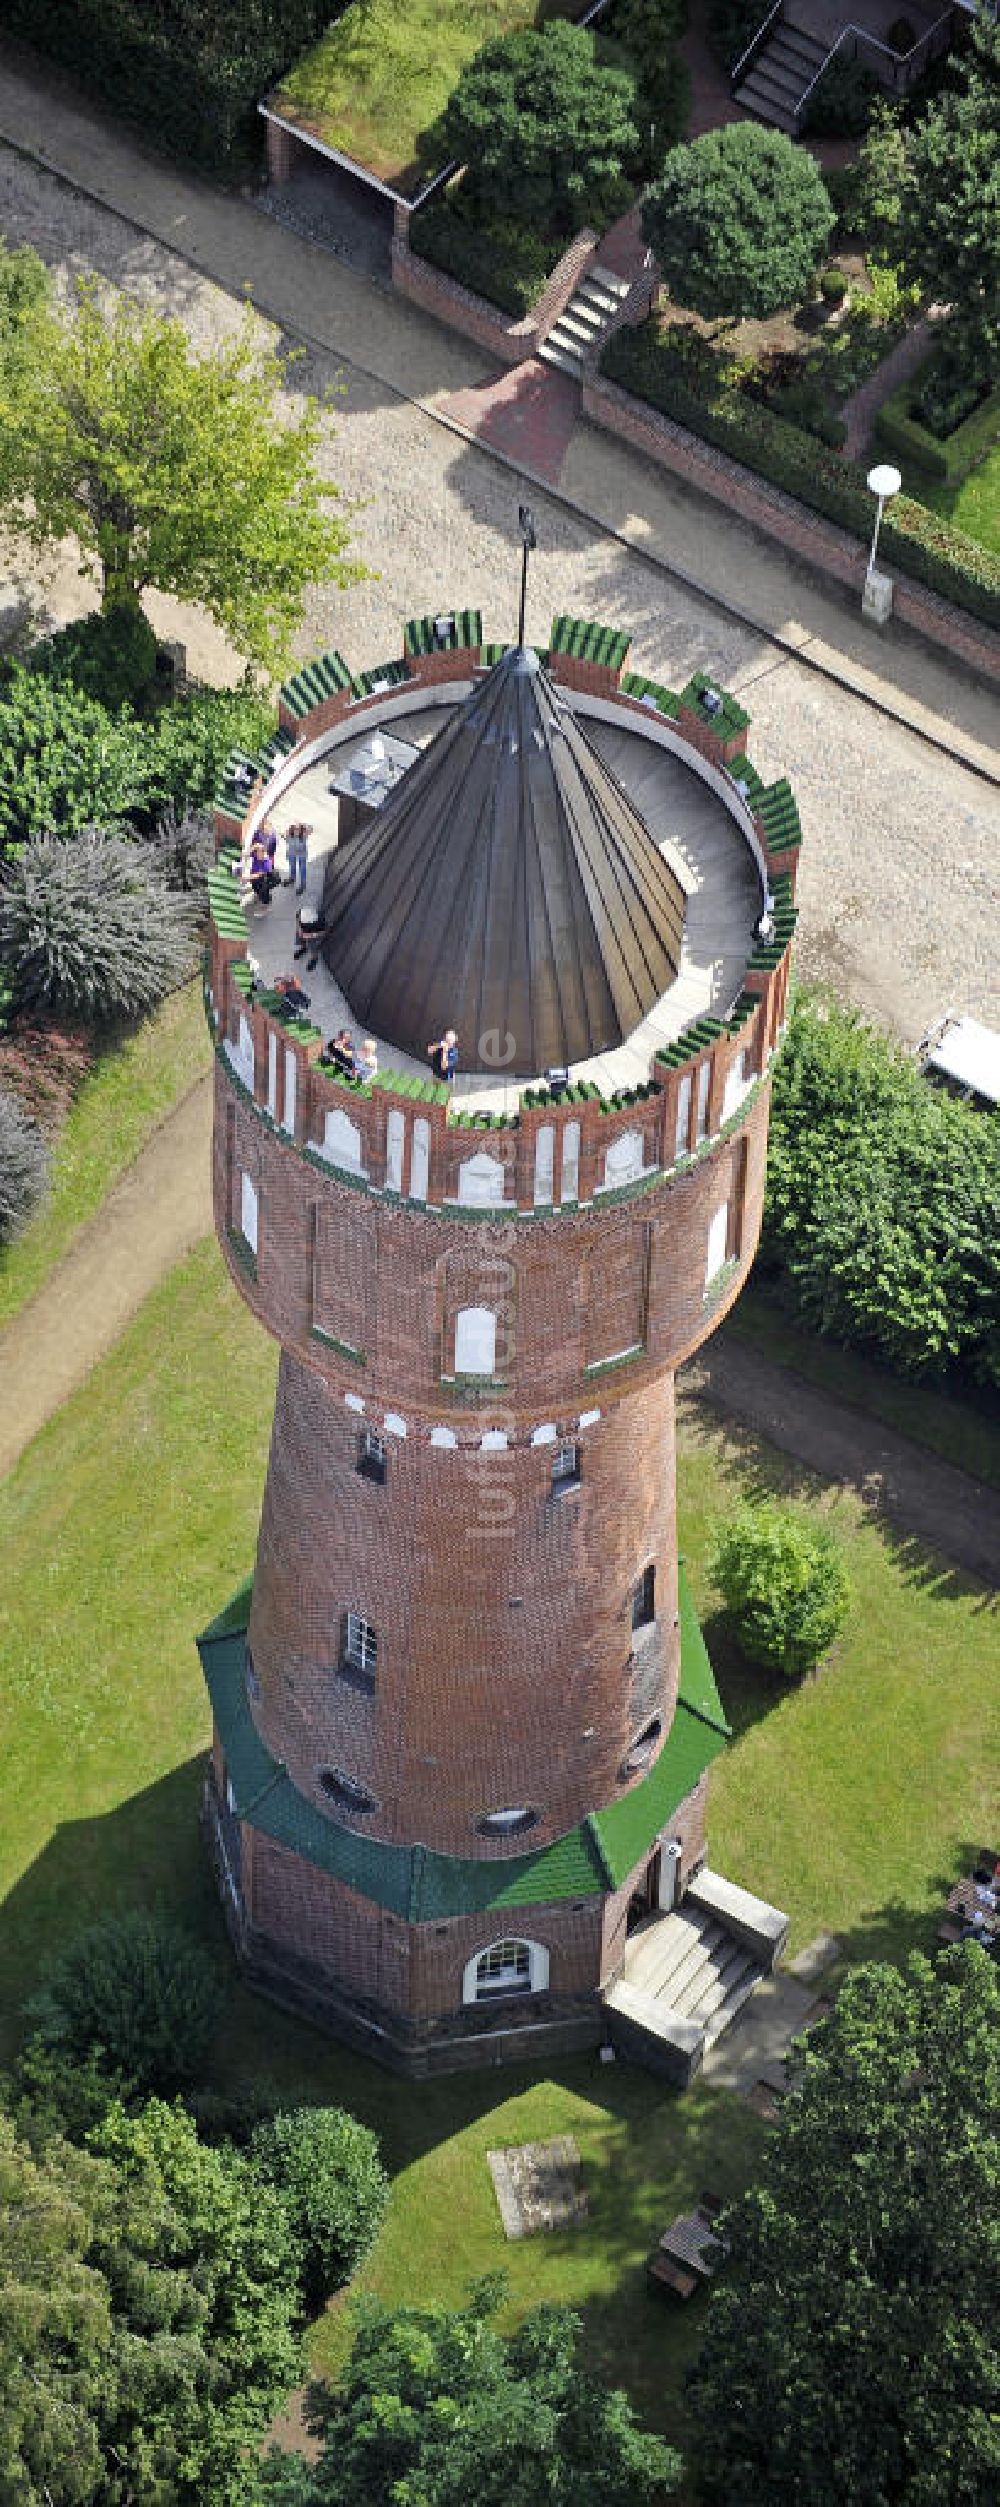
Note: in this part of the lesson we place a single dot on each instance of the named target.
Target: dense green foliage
(148, 2301)
(192, 72)
(24, 1167)
(649, 31)
(171, 468)
(139, 1991)
(326, 2169)
(110, 655)
(883, 1200)
(851, 2350)
(438, 2409)
(921, 543)
(941, 191)
(495, 258)
(784, 1583)
(843, 100)
(89, 931)
(738, 220)
(66, 762)
(730, 25)
(546, 133)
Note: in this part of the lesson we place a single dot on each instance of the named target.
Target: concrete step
(739, 1993)
(654, 1955)
(760, 100)
(560, 358)
(803, 51)
(610, 280)
(711, 1994)
(579, 323)
(785, 78)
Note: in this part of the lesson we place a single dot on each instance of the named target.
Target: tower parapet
(467, 1677)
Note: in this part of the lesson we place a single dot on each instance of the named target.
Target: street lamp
(529, 540)
(876, 598)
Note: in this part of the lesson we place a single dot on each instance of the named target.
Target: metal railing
(895, 71)
(755, 45)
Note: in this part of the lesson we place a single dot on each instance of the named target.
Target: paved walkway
(393, 348)
(529, 415)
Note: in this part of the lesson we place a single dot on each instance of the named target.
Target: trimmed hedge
(503, 263)
(949, 457)
(920, 542)
(190, 71)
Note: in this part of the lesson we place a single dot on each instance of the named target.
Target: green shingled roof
(465, 631)
(424, 1886)
(327, 676)
(588, 641)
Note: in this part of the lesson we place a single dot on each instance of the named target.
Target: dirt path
(158, 1209)
(940, 1506)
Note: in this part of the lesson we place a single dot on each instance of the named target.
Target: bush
(111, 656)
(327, 2170)
(546, 134)
(954, 381)
(833, 285)
(182, 850)
(138, 1990)
(738, 221)
(649, 32)
(191, 72)
(65, 762)
(882, 1214)
(784, 1584)
(88, 930)
(186, 749)
(730, 25)
(498, 260)
(24, 1167)
(918, 541)
(843, 100)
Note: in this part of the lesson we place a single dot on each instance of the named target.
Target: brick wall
(510, 340)
(819, 543)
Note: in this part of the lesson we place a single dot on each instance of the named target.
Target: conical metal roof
(508, 889)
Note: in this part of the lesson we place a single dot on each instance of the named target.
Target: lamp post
(529, 540)
(876, 598)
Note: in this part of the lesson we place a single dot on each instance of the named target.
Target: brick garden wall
(510, 340)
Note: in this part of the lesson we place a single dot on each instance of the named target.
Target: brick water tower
(463, 1712)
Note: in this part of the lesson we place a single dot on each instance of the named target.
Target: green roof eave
(415, 1882)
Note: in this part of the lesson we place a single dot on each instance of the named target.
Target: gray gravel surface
(899, 888)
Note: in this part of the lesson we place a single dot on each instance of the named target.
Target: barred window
(371, 1455)
(565, 1467)
(644, 1599)
(360, 1645)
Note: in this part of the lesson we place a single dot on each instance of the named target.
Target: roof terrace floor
(695, 831)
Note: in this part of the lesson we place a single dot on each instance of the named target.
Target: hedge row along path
(161, 1208)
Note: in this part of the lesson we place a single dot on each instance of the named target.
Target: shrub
(497, 259)
(956, 378)
(111, 656)
(738, 221)
(24, 1167)
(785, 1585)
(918, 541)
(546, 133)
(649, 32)
(327, 2170)
(65, 762)
(89, 930)
(182, 849)
(140, 1991)
(730, 25)
(843, 100)
(882, 1214)
(833, 285)
(187, 747)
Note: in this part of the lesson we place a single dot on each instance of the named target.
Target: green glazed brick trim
(622, 1358)
(633, 684)
(731, 717)
(344, 1349)
(465, 633)
(224, 898)
(428, 1092)
(587, 641)
(383, 675)
(424, 1886)
(779, 816)
(235, 781)
(329, 676)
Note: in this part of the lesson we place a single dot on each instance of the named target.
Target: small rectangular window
(565, 1468)
(644, 1599)
(704, 1092)
(360, 1648)
(371, 1456)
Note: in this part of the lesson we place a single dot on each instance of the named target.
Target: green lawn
(382, 73)
(128, 1092)
(963, 1429)
(853, 1800)
(974, 506)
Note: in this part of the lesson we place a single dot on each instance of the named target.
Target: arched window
(513, 1823)
(346, 1793)
(475, 1341)
(504, 1969)
(641, 1751)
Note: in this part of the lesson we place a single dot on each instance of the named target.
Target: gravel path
(899, 887)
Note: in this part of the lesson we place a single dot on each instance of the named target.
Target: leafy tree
(546, 133)
(110, 655)
(947, 192)
(327, 2170)
(171, 469)
(882, 1219)
(55, 2324)
(138, 1989)
(783, 1580)
(851, 2350)
(185, 749)
(24, 1167)
(738, 221)
(89, 931)
(650, 31)
(436, 2407)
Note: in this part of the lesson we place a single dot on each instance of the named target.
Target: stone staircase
(685, 1975)
(779, 75)
(585, 322)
